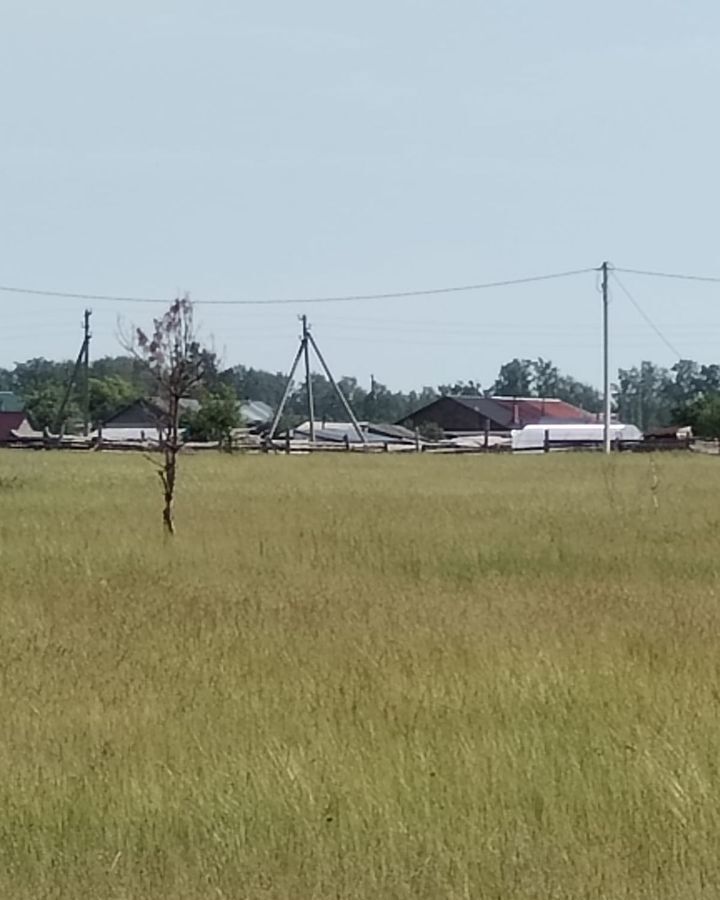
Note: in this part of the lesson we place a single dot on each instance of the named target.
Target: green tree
(36, 374)
(255, 384)
(383, 405)
(127, 368)
(218, 416)
(579, 394)
(545, 378)
(703, 414)
(515, 379)
(43, 406)
(541, 378)
(108, 396)
(461, 389)
(643, 395)
(326, 402)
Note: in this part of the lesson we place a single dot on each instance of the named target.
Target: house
(457, 415)
(255, 413)
(13, 419)
(13, 426)
(141, 420)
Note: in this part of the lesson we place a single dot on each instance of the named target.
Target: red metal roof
(531, 411)
(9, 421)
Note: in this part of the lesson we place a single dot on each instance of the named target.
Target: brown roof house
(457, 414)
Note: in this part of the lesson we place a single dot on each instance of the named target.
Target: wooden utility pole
(606, 360)
(82, 361)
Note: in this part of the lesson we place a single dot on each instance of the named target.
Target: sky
(276, 149)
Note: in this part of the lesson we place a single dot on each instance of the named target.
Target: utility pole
(341, 397)
(308, 377)
(308, 342)
(82, 362)
(86, 373)
(606, 359)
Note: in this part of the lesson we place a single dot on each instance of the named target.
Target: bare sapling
(176, 361)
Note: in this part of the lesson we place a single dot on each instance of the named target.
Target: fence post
(546, 441)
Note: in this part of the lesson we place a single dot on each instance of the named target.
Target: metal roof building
(459, 414)
(341, 432)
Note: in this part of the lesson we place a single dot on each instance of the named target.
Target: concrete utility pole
(606, 360)
(86, 373)
(307, 341)
(308, 378)
(341, 397)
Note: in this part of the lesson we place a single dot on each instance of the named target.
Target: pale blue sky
(277, 148)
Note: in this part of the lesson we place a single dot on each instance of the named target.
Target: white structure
(534, 437)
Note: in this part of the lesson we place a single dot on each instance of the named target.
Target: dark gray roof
(398, 432)
(486, 406)
(508, 412)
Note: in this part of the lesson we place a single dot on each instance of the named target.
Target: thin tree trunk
(169, 472)
(168, 478)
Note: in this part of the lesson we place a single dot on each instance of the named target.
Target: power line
(392, 295)
(679, 277)
(645, 316)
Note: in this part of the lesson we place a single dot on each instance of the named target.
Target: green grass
(360, 678)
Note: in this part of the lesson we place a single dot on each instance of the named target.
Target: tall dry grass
(360, 678)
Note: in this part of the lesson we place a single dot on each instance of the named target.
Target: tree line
(646, 395)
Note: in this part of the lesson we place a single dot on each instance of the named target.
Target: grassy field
(360, 678)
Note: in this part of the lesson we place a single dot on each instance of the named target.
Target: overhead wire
(645, 316)
(389, 295)
(712, 279)
(348, 298)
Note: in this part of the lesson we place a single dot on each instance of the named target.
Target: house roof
(9, 422)
(536, 410)
(255, 412)
(341, 431)
(396, 432)
(525, 410)
(505, 413)
(148, 412)
(187, 404)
